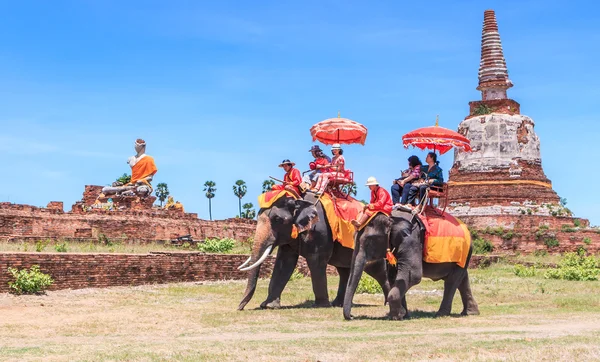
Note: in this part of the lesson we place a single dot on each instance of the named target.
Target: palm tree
(239, 190)
(267, 185)
(162, 192)
(210, 189)
(249, 212)
(350, 189)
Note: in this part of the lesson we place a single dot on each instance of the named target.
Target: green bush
(216, 245)
(296, 275)
(575, 266)
(539, 253)
(524, 272)
(61, 248)
(577, 222)
(482, 246)
(587, 241)
(551, 242)
(568, 229)
(40, 245)
(31, 281)
(368, 285)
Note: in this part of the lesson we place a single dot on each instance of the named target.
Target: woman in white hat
(337, 168)
(292, 178)
(381, 201)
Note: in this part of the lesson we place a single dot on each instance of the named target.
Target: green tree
(249, 212)
(124, 179)
(349, 189)
(162, 192)
(210, 189)
(239, 190)
(267, 185)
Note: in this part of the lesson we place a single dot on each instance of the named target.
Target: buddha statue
(143, 170)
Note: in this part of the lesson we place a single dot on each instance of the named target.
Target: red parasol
(436, 138)
(339, 130)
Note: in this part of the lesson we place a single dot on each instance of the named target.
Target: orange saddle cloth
(447, 239)
(340, 213)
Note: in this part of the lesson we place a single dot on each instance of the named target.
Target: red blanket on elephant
(340, 213)
(447, 239)
(267, 199)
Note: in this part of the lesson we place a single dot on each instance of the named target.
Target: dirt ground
(521, 319)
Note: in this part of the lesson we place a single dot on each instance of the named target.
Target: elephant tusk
(246, 262)
(259, 261)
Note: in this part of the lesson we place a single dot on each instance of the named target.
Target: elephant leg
(470, 306)
(356, 269)
(378, 271)
(285, 263)
(451, 283)
(318, 274)
(344, 274)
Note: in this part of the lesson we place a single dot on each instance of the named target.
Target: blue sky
(224, 90)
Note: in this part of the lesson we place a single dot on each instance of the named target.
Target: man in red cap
(292, 178)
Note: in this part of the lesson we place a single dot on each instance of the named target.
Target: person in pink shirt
(337, 169)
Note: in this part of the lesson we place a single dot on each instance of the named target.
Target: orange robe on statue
(381, 201)
(291, 178)
(143, 168)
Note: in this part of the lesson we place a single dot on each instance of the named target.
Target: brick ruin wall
(530, 233)
(82, 270)
(24, 222)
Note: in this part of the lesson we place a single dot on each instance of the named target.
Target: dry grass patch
(522, 318)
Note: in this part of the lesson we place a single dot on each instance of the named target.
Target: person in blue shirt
(433, 176)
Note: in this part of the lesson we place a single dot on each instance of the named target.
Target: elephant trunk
(356, 270)
(263, 244)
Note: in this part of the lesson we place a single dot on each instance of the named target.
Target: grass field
(521, 319)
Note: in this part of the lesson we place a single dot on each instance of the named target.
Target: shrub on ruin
(523, 271)
(551, 242)
(576, 266)
(482, 246)
(587, 241)
(40, 245)
(540, 253)
(31, 281)
(577, 223)
(368, 285)
(60, 248)
(216, 245)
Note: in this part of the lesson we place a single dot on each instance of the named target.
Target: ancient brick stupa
(505, 166)
(500, 188)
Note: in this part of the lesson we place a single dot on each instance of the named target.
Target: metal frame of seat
(440, 193)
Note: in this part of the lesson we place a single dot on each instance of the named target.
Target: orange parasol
(339, 130)
(436, 138)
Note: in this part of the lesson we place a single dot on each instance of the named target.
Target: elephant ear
(305, 215)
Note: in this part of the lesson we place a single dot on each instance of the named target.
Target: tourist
(380, 202)
(337, 167)
(401, 186)
(434, 176)
(291, 179)
(319, 165)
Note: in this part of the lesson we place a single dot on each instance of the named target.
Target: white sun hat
(371, 181)
(336, 146)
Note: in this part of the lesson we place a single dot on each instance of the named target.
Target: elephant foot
(338, 302)
(467, 312)
(322, 304)
(442, 314)
(276, 304)
(395, 317)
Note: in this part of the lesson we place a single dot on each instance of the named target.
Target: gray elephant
(314, 243)
(406, 238)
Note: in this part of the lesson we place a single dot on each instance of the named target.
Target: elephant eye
(280, 220)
